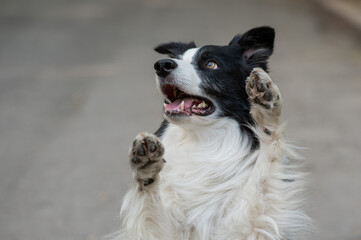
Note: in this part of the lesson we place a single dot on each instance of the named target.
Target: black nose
(164, 67)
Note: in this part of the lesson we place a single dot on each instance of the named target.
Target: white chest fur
(205, 169)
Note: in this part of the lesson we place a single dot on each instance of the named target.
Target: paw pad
(146, 149)
(260, 88)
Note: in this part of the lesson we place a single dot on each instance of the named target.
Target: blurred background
(77, 84)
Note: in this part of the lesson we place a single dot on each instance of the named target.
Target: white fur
(215, 187)
(212, 187)
(207, 166)
(189, 54)
(186, 77)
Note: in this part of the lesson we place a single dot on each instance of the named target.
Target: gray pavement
(76, 85)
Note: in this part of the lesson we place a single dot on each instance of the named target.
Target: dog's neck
(220, 139)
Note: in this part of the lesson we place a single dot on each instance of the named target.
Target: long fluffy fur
(214, 187)
(219, 183)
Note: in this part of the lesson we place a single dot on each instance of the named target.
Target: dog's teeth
(203, 104)
(182, 106)
(164, 105)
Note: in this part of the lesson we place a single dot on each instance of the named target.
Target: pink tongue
(176, 105)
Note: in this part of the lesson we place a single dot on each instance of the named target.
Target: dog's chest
(202, 176)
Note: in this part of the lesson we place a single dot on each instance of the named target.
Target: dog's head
(201, 85)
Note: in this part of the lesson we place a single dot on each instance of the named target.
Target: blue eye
(212, 65)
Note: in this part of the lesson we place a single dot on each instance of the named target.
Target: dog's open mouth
(180, 103)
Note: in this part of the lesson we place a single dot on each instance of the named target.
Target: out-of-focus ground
(77, 84)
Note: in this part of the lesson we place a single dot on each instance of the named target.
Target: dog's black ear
(256, 45)
(174, 49)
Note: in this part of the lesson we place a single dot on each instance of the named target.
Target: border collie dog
(218, 168)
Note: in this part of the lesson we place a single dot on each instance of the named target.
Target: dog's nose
(164, 67)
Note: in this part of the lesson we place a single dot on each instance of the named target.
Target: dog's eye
(211, 65)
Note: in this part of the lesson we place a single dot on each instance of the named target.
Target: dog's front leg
(142, 210)
(263, 194)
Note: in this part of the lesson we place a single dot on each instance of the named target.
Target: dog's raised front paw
(146, 157)
(261, 90)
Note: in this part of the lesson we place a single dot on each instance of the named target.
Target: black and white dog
(216, 168)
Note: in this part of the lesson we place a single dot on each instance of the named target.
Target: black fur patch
(174, 49)
(148, 181)
(159, 133)
(226, 85)
(257, 46)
